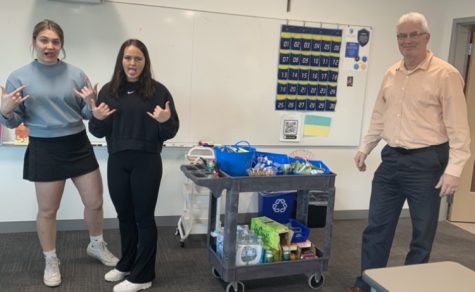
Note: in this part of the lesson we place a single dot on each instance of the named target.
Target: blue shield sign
(363, 37)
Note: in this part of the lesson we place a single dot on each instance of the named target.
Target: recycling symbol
(279, 206)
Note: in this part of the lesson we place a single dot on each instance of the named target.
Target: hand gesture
(161, 115)
(88, 93)
(447, 184)
(102, 111)
(11, 100)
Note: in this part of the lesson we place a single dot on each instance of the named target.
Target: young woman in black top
(136, 114)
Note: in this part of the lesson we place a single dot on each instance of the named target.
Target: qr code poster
(290, 129)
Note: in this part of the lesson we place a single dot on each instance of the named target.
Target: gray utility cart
(225, 268)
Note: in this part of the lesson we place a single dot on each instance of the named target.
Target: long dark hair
(119, 79)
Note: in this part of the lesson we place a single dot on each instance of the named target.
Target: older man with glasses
(421, 114)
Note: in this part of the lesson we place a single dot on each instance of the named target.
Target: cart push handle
(200, 152)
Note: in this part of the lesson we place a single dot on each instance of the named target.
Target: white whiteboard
(221, 69)
(234, 79)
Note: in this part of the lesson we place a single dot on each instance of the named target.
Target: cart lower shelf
(315, 281)
(313, 268)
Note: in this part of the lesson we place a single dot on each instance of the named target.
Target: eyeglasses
(412, 36)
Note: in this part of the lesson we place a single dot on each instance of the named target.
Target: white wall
(17, 197)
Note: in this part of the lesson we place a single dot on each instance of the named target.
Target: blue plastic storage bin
(276, 205)
(301, 232)
(278, 158)
(234, 163)
(316, 163)
(274, 157)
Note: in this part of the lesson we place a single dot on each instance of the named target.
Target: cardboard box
(306, 250)
(292, 250)
(273, 234)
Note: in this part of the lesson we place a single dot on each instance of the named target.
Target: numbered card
(280, 104)
(309, 59)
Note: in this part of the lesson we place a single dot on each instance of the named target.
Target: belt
(418, 150)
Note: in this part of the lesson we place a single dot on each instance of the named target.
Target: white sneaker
(126, 286)
(99, 251)
(52, 276)
(115, 275)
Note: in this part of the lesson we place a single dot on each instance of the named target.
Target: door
(462, 208)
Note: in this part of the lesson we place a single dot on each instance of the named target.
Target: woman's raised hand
(102, 111)
(161, 115)
(88, 93)
(10, 101)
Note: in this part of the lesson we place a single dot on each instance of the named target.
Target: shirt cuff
(365, 150)
(453, 170)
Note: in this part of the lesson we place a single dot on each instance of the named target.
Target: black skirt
(59, 158)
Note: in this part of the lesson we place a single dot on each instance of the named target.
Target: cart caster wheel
(315, 283)
(239, 287)
(215, 273)
(182, 243)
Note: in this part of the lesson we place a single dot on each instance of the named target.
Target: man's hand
(447, 184)
(359, 159)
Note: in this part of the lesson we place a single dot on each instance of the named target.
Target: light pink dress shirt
(422, 107)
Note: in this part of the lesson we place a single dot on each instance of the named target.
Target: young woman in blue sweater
(51, 98)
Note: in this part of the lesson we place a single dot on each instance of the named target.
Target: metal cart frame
(225, 267)
(192, 204)
(192, 194)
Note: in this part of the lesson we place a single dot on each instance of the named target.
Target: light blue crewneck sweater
(53, 109)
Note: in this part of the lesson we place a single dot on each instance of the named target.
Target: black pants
(403, 175)
(134, 180)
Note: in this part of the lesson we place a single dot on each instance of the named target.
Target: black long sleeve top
(130, 127)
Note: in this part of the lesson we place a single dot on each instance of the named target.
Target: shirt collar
(424, 65)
